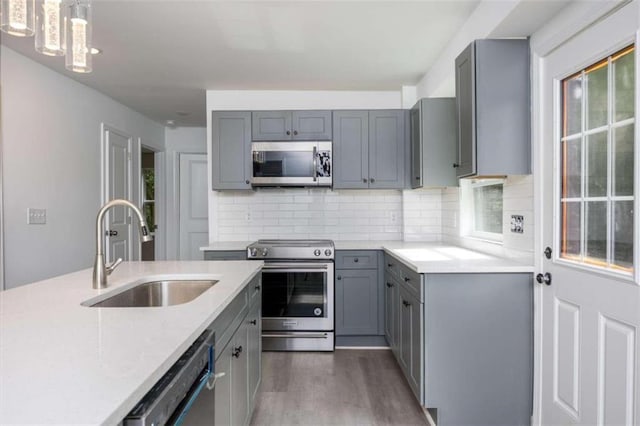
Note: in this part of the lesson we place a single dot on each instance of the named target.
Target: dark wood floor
(346, 387)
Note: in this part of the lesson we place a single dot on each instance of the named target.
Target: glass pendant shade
(79, 28)
(50, 27)
(17, 17)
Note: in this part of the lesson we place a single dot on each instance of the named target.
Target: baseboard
(361, 342)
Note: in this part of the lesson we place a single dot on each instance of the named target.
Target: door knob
(546, 278)
(547, 252)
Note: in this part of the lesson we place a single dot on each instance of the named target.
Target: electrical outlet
(36, 216)
(517, 224)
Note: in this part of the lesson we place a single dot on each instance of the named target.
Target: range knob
(327, 252)
(317, 252)
(265, 251)
(253, 252)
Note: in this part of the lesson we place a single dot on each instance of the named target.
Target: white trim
(1, 208)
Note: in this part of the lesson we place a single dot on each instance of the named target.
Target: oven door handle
(294, 267)
(297, 335)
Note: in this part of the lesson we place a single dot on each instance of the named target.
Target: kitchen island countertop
(64, 363)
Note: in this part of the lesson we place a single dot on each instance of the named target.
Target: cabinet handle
(406, 304)
(456, 165)
(288, 132)
(247, 182)
(258, 287)
(407, 279)
(372, 180)
(253, 322)
(237, 351)
(417, 177)
(356, 260)
(389, 265)
(339, 277)
(389, 285)
(295, 132)
(364, 180)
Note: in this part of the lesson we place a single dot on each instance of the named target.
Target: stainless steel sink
(157, 293)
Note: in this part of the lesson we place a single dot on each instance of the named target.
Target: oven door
(297, 296)
(291, 164)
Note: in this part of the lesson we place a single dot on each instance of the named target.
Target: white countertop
(422, 257)
(64, 363)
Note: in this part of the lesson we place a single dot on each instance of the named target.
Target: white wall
(188, 140)
(51, 158)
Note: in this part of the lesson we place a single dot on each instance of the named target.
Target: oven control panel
(285, 250)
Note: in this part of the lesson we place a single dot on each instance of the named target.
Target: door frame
(134, 179)
(570, 22)
(1, 205)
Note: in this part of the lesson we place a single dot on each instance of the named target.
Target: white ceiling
(159, 57)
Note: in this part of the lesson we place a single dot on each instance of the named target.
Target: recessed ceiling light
(95, 51)
(170, 123)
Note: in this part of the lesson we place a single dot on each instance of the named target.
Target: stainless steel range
(297, 294)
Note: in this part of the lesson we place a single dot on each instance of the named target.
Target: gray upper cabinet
(231, 150)
(369, 149)
(434, 130)
(291, 125)
(493, 106)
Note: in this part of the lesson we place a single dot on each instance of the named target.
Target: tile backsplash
(309, 213)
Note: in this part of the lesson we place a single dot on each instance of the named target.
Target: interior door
(590, 307)
(118, 166)
(194, 213)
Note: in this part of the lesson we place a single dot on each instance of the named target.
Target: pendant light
(17, 17)
(79, 28)
(50, 27)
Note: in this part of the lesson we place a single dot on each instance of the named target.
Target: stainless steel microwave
(291, 164)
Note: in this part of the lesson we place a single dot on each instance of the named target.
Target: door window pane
(572, 168)
(624, 137)
(625, 69)
(572, 95)
(597, 96)
(597, 164)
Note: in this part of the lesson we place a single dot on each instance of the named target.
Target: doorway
(148, 201)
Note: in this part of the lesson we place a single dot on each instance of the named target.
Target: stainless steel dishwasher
(185, 394)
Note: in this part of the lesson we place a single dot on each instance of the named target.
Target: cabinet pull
(247, 182)
(339, 277)
(372, 180)
(253, 322)
(237, 351)
(356, 260)
(389, 285)
(288, 132)
(456, 165)
(257, 287)
(295, 132)
(364, 180)
(406, 304)
(407, 279)
(389, 265)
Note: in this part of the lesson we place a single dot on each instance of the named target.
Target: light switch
(36, 216)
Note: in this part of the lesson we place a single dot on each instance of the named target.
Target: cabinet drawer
(392, 266)
(352, 259)
(412, 281)
(227, 322)
(225, 255)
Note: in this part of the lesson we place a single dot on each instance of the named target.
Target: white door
(194, 213)
(118, 185)
(591, 309)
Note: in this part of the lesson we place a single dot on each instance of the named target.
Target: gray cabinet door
(356, 302)
(411, 340)
(350, 149)
(390, 311)
(254, 351)
(223, 386)
(271, 126)
(465, 104)
(239, 376)
(415, 138)
(231, 150)
(439, 136)
(311, 125)
(387, 149)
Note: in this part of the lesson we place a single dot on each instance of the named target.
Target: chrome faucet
(100, 270)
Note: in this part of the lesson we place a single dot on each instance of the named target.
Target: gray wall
(51, 158)
(191, 140)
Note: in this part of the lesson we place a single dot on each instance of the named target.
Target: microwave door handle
(315, 163)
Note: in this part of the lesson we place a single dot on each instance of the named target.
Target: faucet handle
(113, 266)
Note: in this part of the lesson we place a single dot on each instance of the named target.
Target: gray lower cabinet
(225, 255)
(369, 149)
(493, 106)
(238, 356)
(231, 150)
(291, 125)
(433, 136)
(464, 342)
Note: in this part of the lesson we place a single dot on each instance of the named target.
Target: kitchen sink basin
(156, 293)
